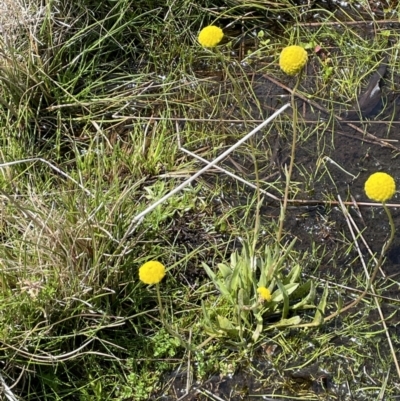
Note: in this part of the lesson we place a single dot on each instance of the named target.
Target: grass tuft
(92, 99)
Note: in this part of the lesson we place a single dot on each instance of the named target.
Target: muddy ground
(360, 146)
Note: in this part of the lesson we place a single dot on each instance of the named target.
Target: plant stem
(379, 264)
(160, 305)
(292, 156)
(164, 321)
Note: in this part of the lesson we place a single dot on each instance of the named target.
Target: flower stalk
(291, 164)
(380, 187)
(291, 61)
(153, 272)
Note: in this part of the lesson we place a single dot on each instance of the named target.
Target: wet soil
(334, 157)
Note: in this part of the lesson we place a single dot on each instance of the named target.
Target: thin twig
(346, 287)
(153, 120)
(7, 390)
(350, 219)
(177, 189)
(35, 159)
(374, 272)
(378, 141)
(234, 176)
(346, 23)
(370, 284)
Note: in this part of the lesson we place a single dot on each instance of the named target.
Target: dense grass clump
(73, 314)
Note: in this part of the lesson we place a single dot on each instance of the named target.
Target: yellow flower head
(292, 59)
(380, 187)
(152, 272)
(210, 36)
(264, 293)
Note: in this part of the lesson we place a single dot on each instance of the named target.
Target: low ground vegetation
(105, 108)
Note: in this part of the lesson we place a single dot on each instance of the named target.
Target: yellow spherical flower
(264, 293)
(293, 59)
(152, 272)
(210, 36)
(380, 187)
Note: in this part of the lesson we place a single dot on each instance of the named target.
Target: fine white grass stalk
(141, 215)
(326, 158)
(234, 176)
(372, 289)
(209, 394)
(348, 217)
(347, 288)
(36, 159)
(7, 390)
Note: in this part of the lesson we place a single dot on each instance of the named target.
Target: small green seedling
(257, 292)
